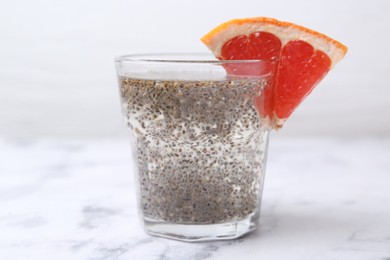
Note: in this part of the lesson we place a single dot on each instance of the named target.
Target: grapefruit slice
(303, 58)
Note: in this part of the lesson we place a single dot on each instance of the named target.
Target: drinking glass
(199, 134)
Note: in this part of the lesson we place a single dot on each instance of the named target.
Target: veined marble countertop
(323, 199)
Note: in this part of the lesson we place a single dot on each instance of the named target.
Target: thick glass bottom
(201, 232)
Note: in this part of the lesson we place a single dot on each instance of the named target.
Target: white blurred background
(57, 76)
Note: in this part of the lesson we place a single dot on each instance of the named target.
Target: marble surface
(323, 199)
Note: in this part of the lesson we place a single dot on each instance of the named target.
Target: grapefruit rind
(285, 31)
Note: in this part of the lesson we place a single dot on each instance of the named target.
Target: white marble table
(323, 199)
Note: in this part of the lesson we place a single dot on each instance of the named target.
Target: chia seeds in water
(200, 148)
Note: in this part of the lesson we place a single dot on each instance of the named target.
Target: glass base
(199, 232)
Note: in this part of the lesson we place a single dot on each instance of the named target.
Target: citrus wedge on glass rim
(303, 58)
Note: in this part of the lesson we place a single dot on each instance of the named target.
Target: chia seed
(200, 148)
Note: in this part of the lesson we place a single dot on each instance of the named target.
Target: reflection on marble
(323, 199)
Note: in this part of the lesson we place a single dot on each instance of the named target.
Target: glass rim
(179, 58)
